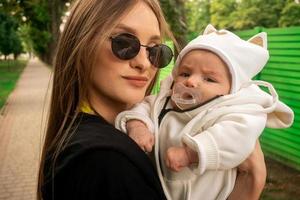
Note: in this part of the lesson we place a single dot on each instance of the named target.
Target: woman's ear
(209, 29)
(260, 39)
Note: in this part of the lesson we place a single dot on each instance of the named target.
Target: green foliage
(198, 16)
(265, 13)
(245, 19)
(237, 14)
(16, 44)
(40, 40)
(43, 20)
(174, 11)
(187, 18)
(290, 15)
(269, 12)
(24, 32)
(12, 8)
(221, 13)
(38, 27)
(246, 14)
(9, 39)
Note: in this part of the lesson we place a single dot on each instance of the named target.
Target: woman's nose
(141, 61)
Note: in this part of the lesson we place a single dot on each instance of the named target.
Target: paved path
(21, 128)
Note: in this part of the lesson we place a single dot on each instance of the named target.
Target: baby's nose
(192, 81)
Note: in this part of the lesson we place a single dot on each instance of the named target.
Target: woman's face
(118, 84)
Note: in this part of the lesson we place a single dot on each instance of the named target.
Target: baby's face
(206, 71)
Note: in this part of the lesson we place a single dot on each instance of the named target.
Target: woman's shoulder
(98, 155)
(94, 136)
(93, 132)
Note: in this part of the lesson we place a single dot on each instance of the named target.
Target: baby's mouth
(187, 96)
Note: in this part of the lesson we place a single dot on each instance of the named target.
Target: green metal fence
(283, 71)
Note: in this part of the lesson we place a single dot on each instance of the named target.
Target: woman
(95, 78)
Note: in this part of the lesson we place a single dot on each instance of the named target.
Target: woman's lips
(137, 81)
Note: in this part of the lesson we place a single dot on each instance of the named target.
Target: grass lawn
(9, 73)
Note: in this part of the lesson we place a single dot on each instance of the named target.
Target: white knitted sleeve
(227, 143)
(140, 111)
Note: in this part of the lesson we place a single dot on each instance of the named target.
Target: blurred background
(29, 32)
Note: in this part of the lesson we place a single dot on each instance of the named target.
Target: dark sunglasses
(126, 46)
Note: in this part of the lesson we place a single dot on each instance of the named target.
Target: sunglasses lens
(125, 46)
(160, 55)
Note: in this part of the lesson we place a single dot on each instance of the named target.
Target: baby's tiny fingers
(148, 147)
(152, 140)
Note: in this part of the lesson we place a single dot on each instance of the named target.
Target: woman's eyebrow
(126, 28)
(133, 31)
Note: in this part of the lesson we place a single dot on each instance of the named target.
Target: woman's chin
(132, 100)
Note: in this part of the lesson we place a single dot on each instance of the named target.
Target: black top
(101, 162)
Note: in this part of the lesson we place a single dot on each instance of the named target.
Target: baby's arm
(138, 124)
(228, 142)
(139, 132)
(251, 175)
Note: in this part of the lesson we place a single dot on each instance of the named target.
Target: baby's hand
(179, 157)
(139, 132)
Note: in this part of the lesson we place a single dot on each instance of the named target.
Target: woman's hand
(251, 176)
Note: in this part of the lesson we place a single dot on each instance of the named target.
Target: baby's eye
(184, 74)
(209, 79)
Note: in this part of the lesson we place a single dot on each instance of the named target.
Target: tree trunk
(181, 35)
(55, 12)
(174, 11)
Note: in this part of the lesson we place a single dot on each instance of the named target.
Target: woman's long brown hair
(90, 23)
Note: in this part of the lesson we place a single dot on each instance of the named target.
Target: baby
(208, 115)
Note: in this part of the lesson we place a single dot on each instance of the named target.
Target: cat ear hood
(244, 59)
